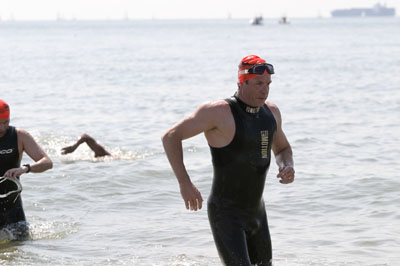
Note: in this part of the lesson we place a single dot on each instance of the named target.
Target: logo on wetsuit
(264, 144)
(6, 151)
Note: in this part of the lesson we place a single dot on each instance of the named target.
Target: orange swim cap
(4, 110)
(246, 63)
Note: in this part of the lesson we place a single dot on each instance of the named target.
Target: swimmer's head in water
(4, 110)
(251, 66)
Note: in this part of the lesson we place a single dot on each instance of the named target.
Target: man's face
(4, 126)
(255, 93)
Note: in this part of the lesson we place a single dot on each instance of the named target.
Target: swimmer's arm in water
(99, 150)
(28, 144)
(282, 149)
(202, 120)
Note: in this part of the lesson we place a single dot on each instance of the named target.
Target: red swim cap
(246, 63)
(4, 110)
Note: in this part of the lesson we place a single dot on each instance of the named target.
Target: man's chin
(260, 102)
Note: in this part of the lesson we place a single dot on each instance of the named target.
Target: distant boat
(377, 10)
(283, 20)
(257, 20)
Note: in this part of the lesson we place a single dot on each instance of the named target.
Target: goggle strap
(18, 190)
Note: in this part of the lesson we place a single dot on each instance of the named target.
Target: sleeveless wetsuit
(11, 213)
(236, 208)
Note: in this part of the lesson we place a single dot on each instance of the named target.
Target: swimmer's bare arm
(28, 144)
(282, 149)
(99, 150)
(202, 120)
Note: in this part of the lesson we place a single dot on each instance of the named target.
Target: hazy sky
(174, 9)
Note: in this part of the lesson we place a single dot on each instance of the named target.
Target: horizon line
(154, 18)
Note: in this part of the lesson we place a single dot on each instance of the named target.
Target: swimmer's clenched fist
(286, 174)
(191, 196)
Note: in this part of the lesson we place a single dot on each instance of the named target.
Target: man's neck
(3, 133)
(247, 108)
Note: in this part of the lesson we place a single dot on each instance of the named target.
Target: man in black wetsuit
(13, 142)
(241, 131)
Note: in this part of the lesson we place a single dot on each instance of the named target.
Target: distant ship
(283, 20)
(257, 20)
(377, 10)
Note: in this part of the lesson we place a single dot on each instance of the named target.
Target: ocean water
(337, 85)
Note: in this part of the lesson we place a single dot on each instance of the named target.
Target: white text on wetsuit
(264, 144)
(6, 151)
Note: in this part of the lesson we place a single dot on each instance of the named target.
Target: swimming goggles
(259, 69)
